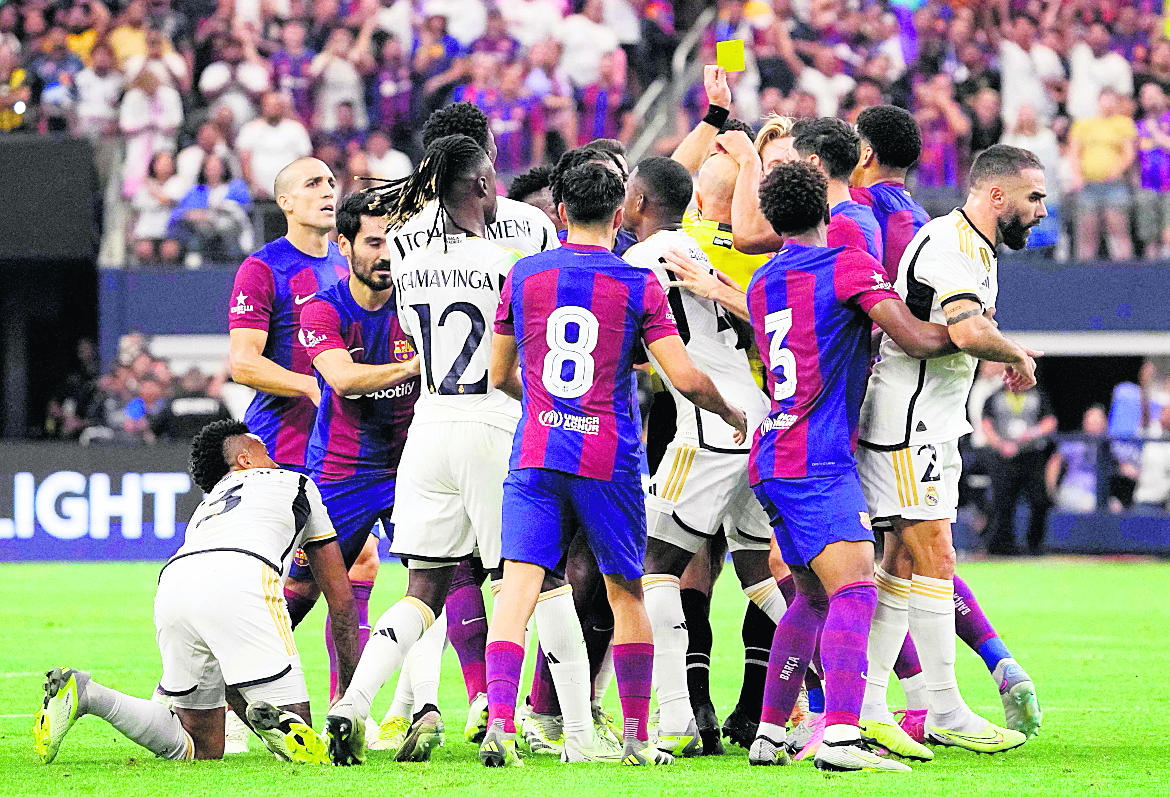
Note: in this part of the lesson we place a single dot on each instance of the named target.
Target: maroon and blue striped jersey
(853, 224)
(898, 216)
(270, 290)
(600, 111)
(579, 315)
(808, 309)
(361, 434)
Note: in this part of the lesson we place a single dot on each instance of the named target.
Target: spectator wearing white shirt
(531, 21)
(1028, 68)
(170, 67)
(268, 144)
(152, 201)
(1153, 485)
(236, 79)
(149, 117)
(385, 161)
(189, 161)
(1093, 67)
(99, 87)
(586, 41)
(466, 19)
(824, 80)
(337, 80)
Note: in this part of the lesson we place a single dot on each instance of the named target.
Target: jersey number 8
(781, 361)
(561, 350)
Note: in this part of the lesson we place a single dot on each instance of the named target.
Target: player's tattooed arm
(250, 367)
(979, 336)
(330, 573)
(504, 368)
(963, 316)
(919, 339)
(348, 378)
(705, 283)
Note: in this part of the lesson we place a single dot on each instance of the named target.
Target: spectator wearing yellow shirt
(129, 37)
(14, 91)
(1102, 150)
(85, 24)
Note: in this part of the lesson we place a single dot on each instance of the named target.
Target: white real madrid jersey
(925, 401)
(447, 294)
(266, 513)
(716, 342)
(517, 226)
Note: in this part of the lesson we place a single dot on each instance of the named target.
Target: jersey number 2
(450, 385)
(781, 361)
(561, 350)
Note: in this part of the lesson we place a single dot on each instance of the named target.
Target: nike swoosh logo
(356, 349)
(997, 739)
(299, 300)
(473, 620)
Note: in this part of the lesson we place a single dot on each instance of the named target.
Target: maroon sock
(633, 667)
(298, 606)
(504, 662)
(467, 628)
(542, 698)
(907, 664)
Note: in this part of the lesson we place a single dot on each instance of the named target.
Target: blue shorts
(543, 509)
(812, 513)
(354, 505)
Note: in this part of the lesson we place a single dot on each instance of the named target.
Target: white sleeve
(950, 273)
(318, 528)
(642, 256)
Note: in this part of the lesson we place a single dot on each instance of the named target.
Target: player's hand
(715, 84)
(689, 275)
(1021, 376)
(737, 144)
(737, 420)
(1008, 449)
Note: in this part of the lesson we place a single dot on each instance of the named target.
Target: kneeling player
(222, 627)
(572, 318)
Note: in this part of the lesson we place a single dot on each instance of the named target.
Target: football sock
(298, 606)
(397, 630)
(792, 650)
(843, 643)
(787, 588)
(757, 632)
(361, 603)
(769, 598)
(604, 676)
(932, 623)
(467, 628)
(664, 607)
(568, 661)
(887, 633)
(145, 722)
(909, 672)
(973, 627)
(542, 698)
(696, 607)
(403, 703)
(426, 661)
(633, 666)
(504, 662)
(598, 631)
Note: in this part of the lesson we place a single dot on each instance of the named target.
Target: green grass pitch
(1095, 636)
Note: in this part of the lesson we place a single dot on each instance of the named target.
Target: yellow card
(729, 55)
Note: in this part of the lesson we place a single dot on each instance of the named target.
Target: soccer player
(534, 187)
(572, 319)
(221, 626)
(701, 484)
(369, 383)
(914, 414)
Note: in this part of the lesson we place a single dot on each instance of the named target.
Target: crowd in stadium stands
(234, 89)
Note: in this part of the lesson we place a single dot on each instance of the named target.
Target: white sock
(561, 638)
(915, 689)
(842, 733)
(604, 675)
(395, 633)
(426, 660)
(144, 722)
(403, 703)
(768, 597)
(932, 625)
(664, 607)
(776, 733)
(886, 635)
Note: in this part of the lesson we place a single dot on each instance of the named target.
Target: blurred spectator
(825, 80)
(336, 81)
(211, 221)
(73, 404)
(517, 121)
(1135, 408)
(99, 87)
(975, 74)
(149, 117)
(129, 35)
(586, 42)
(1153, 151)
(1028, 134)
(143, 411)
(236, 79)
(56, 71)
(290, 69)
(189, 162)
(384, 161)
(1152, 493)
(168, 66)
(532, 21)
(603, 109)
(1028, 67)
(1072, 471)
(944, 130)
(466, 19)
(392, 89)
(9, 26)
(1101, 150)
(986, 122)
(1157, 68)
(548, 82)
(193, 406)
(1093, 68)
(435, 55)
(1019, 426)
(346, 135)
(152, 202)
(480, 91)
(496, 40)
(268, 144)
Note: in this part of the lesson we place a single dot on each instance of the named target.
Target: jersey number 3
(781, 361)
(561, 352)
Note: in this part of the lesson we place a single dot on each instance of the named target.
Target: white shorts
(220, 620)
(919, 482)
(450, 490)
(695, 491)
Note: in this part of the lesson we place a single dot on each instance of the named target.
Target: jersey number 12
(450, 385)
(781, 361)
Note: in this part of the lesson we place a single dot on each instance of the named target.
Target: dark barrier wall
(50, 205)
